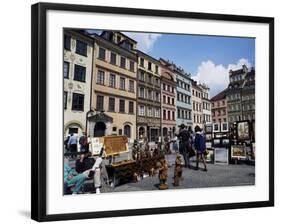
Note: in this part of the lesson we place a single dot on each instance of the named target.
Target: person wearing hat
(200, 147)
(184, 145)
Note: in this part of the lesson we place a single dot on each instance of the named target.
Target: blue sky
(207, 58)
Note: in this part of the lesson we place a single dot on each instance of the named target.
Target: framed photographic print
(225, 142)
(208, 137)
(216, 127)
(208, 128)
(243, 130)
(109, 92)
(224, 127)
(208, 145)
(238, 151)
(217, 142)
(221, 156)
(210, 156)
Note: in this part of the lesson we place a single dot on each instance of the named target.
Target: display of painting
(217, 143)
(243, 147)
(230, 144)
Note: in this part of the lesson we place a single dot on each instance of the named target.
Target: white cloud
(145, 40)
(217, 76)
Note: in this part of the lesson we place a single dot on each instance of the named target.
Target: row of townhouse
(112, 88)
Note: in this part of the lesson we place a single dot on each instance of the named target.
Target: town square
(139, 119)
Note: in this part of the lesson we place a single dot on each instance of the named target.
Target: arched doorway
(99, 129)
(127, 131)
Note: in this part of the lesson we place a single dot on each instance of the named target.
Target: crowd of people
(86, 167)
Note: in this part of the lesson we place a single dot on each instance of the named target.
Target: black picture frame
(39, 112)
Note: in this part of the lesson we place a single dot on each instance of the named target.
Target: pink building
(219, 107)
(168, 98)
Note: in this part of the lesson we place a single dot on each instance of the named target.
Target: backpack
(200, 143)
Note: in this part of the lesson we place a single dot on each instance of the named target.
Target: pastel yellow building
(113, 101)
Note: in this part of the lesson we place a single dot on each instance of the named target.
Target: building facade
(148, 98)
(168, 97)
(248, 96)
(197, 105)
(113, 107)
(77, 73)
(206, 104)
(219, 107)
(184, 98)
(241, 95)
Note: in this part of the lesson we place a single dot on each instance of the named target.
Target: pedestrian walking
(185, 146)
(72, 144)
(200, 147)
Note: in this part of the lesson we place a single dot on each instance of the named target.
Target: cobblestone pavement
(217, 176)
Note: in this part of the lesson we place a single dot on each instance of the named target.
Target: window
(157, 112)
(164, 86)
(127, 131)
(141, 111)
(168, 100)
(149, 94)
(81, 48)
(173, 101)
(99, 105)
(65, 69)
(164, 114)
(150, 78)
(189, 99)
(157, 96)
(123, 62)
(173, 115)
(131, 107)
(141, 76)
(164, 99)
(67, 40)
(113, 58)
(101, 53)
(131, 86)
(78, 102)
(100, 78)
(111, 104)
(141, 92)
(189, 115)
(169, 115)
(182, 114)
(132, 66)
(179, 113)
(65, 100)
(149, 66)
(122, 106)
(122, 83)
(156, 69)
(79, 73)
(112, 80)
(141, 62)
(157, 81)
(149, 112)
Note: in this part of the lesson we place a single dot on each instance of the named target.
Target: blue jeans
(78, 181)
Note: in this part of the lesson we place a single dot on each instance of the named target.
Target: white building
(77, 72)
